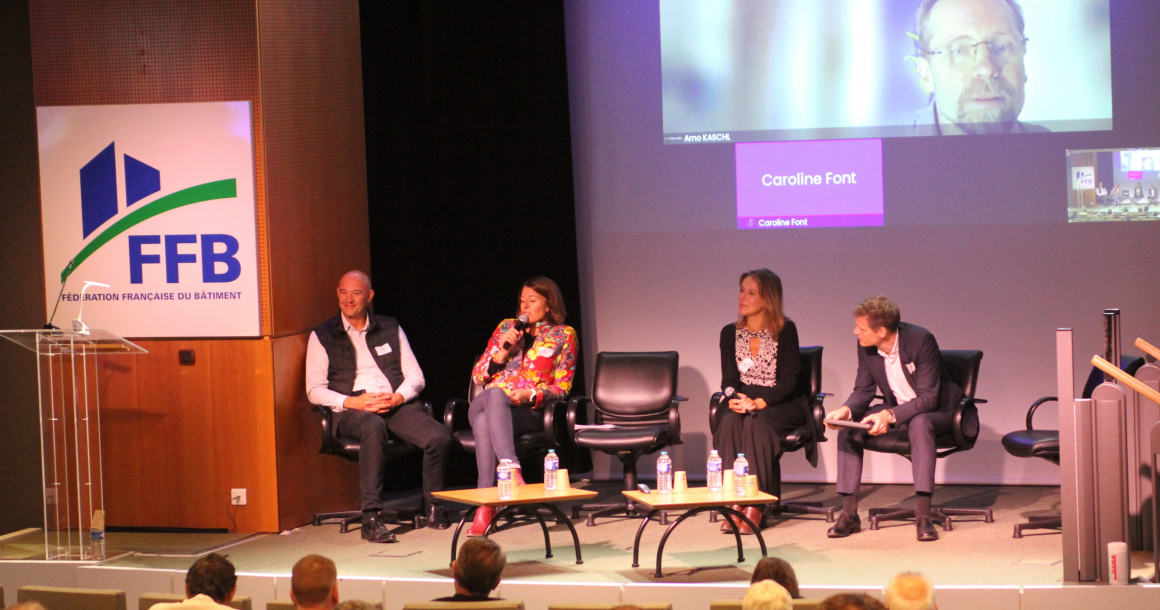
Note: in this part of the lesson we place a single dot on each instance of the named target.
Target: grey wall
(21, 274)
(971, 251)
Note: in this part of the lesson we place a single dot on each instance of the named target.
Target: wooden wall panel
(315, 156)
(178, 438)
(309, 482)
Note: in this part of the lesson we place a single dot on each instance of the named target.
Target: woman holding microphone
(760, 362)
(529, 363)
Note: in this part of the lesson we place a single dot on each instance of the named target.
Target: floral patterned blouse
(547, 367)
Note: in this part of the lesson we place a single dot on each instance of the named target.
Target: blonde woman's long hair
(769, 288)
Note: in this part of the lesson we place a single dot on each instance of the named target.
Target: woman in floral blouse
(521, 371)
(760, 361)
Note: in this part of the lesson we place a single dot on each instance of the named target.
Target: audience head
(356, 604)
(552, 301)
(478, 567)
(761, 295)
(212, 575)
(778, 570)
(766, 595)
(910, 591)
(314, 583)
(851, 601)
(27, 606)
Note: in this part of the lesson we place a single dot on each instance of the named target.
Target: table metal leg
(736, 534)
(533, 511)
(503, 512)
(562, 518)
(470, 512)
(756, 529)
(636, 545)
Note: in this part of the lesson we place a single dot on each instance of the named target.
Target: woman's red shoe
(483, 517)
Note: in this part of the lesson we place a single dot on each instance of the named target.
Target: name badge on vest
(383, 349)
(745, 365)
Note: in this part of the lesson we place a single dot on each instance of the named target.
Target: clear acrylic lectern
(70, 436)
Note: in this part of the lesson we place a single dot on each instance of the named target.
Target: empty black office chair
(348, 447)
(806, 437)
(962, 366)
(1044, 444)
(635, 397)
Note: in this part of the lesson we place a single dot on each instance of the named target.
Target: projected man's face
(973, 62)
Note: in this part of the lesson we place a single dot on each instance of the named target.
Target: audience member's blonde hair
(910, 591)
(27, 606)
(766, 595)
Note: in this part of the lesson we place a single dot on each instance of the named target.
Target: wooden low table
(527, 499)
(696, 500)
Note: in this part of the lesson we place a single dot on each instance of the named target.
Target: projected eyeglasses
(965, 53)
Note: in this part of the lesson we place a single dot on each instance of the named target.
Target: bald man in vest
(361, 366)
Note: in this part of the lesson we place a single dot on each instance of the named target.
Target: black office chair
(348, 447)
(963, 368)
(1044, 444)
(805, 437)
(636, 401)
(531, 447)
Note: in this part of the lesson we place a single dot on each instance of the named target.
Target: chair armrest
(326, 418)
(552, 411)
(577, 402)
(960, 437)
(1034, 406)
(818, 417)
(455, 415)
(714, 404)
(675, 419)
(979, 401)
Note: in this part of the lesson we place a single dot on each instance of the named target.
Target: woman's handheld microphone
(521, 324)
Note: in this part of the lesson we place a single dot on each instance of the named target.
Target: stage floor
(974, 553)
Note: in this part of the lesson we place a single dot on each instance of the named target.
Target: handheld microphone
(726, 395)
(521, 324)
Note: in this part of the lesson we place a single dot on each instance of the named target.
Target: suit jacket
(933, 390)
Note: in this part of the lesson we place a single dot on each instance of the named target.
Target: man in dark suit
(900, 362)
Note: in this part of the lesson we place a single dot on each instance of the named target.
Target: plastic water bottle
(713, 468)
(665, 473)
(740, 473)
(551, 468)
(503, 475)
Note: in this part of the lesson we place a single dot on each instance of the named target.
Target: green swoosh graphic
(220, 189)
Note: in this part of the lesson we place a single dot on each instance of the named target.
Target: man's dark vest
(339, 349)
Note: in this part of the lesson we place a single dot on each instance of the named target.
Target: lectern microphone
(67, 272)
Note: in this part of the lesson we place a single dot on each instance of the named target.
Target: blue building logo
(99, 205)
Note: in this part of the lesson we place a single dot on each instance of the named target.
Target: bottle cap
(740, 455)
(664, 453)
(551, 451)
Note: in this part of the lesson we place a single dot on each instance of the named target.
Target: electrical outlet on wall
(238, 497)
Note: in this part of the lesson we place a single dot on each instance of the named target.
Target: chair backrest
(644, 606)
(148, 600)
(280, 604)
(962, 366)
(735, 604)
(69, 598)
(631, 386)
(491, 604)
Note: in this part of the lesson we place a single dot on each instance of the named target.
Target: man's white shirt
(894, 376)
(368, 376)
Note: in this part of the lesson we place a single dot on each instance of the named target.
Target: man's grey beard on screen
(988, 120)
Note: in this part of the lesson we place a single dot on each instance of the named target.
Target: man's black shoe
(926, 531)
(436, 520)
(845, 526)
(373, 530)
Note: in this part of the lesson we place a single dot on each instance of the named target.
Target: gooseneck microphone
(521, 324)
(50, 325)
